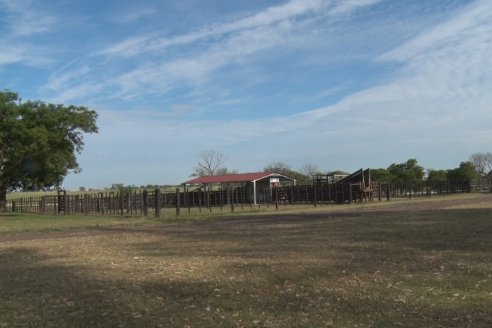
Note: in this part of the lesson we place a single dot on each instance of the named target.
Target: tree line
(212, 162)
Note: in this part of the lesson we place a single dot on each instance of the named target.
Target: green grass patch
(11, 223)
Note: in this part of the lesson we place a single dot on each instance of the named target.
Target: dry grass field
(411, 264)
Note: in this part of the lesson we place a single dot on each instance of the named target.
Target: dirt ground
(423, 262)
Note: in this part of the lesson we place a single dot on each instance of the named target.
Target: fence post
(350, 193)
(178, 202)
(121, 203)
(387, 191)
(128, 203)
(276, 198)
(315, 198)
(200, 200)
(157, 200)
(145, 202)
(231, 199)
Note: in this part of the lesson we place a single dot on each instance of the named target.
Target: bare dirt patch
(404, 264)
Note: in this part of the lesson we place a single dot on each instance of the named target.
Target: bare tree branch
(210, 162)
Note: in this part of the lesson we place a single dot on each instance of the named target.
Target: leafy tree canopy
(466, 171)
(381, 175)
(409, 171)
(437, 175)
(39, 142)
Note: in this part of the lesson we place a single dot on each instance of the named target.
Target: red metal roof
(231, 178)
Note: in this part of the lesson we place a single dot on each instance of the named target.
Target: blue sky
(338, 84)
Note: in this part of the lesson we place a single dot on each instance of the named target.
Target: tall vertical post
(350, 193)
(128, 203)
(315, 198)
(121, 203)
(276, 198)
(254, 192)
(157, 202)
(178, 202)
(145, 203)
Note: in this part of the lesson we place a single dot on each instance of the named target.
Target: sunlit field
(411, 264)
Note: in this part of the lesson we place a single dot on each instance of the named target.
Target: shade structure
(238, 178)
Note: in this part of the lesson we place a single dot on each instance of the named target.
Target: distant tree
(482, 162)
(466, 172)
(381, 175)
(309, 170)
(437, 175)
(406, 172)
(277, 167)
(39, 142)
(211, 162)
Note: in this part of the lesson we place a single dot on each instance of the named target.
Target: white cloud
(24, 18)
(134, 15)
(60, 80)
(81, 91)
(272, 15)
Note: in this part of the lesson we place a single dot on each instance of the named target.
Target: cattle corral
(354, 188)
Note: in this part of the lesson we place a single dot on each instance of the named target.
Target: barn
(252, 182)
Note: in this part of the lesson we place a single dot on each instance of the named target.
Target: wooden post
(121, 203)
(128, 203)
(350, 193)
(315, 198)
(231, 200)
(267, 201)
(157, 202)
(380, 191)
(145, 203)
(178, 203)
(276, 198)
(291, 195)
(200, 200)
(242, 197)
(187, 194)
(387, 191)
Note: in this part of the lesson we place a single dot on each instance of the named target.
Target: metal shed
(272, 178)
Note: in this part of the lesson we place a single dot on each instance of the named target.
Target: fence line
(141, 203)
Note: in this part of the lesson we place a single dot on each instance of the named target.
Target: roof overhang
(236, 178)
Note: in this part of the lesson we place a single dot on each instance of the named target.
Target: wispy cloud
(213, 48)
(272, 15)
(133, 14)
(24, 19)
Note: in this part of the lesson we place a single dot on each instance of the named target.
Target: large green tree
(381, 175)
(39, 142)
(465, 172)
(437, 175)
(407, 172)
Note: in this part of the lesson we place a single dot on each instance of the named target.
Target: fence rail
(141, 203)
